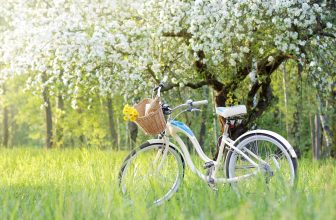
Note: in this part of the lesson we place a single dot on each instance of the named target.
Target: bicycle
(156, 168)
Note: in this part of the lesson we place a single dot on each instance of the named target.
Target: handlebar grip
(197, 103)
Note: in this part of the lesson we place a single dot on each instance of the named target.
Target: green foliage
(82, 184)
(26, 117)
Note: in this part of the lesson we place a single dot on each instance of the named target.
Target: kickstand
(210, 169)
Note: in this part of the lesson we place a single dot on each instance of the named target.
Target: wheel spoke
(152, 174)
(245, 167)
(276, 166)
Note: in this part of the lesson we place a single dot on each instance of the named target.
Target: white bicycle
(155, 170)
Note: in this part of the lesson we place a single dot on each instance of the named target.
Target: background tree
(81, 57)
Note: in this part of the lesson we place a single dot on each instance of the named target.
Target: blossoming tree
(77, 48)
(223, 44)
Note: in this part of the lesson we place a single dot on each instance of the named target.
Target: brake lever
(190, 107)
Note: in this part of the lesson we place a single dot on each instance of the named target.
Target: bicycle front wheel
(276, 170)
(151, 173)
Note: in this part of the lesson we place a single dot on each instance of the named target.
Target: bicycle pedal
(211, 184)
(211, 181)
(208, 165)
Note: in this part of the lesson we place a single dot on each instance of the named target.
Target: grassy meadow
(82, 184)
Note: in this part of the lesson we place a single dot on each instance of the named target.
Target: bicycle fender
(278, 137)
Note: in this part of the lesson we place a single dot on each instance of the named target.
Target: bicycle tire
(232, 157)
(174, 155)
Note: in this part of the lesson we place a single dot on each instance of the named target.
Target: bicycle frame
(175, 127)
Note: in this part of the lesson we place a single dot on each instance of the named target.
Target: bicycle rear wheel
(151, 173)
(278, 174)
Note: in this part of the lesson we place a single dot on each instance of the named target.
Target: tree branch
(182, 34)
(202, 68)
(264, 67)
(325, 34)
(190, 85)
(265, 99)
(151, 72)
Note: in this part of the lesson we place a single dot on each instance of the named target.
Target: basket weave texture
(153, 122)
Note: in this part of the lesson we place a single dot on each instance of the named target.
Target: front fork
(161, 154)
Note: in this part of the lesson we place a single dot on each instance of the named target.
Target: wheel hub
(266, 168)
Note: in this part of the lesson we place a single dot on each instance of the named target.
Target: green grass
(82, 184)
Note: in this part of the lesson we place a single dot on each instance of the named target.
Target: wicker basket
(153, 122)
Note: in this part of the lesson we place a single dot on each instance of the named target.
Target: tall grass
(82, 184)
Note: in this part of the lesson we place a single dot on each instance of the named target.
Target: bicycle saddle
(227, 112)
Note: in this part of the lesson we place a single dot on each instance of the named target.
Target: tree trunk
(13, 127)
(203, 128)
(255, 108)
(318, 138)
(312, 133)
(327, 133)
(113, 132)
(296, 128)
(81, 136)
(327, 137)
(5, 122)
(214, 122)
(118, 137)
(332, 101)
(133, 129)
(204, 119)
(48, 114)
(285, 88)
(59, 126)
(220, 99)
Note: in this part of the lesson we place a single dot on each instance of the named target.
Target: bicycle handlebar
(198, 103)
(191, 103)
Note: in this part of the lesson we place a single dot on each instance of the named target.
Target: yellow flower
(130, 113)
(126, 109)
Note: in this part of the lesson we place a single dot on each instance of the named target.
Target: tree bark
(59, 127)
(296, 128)
(332, 101)
(133, 129)
(285, 89)
(113, 132)
(202, 129)
(204, 119)
(81, 136)
(13, 127)
(48, 113)
(312, 133)
(327, 133)
(5, 122)
(318, 138)
(118, 137)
